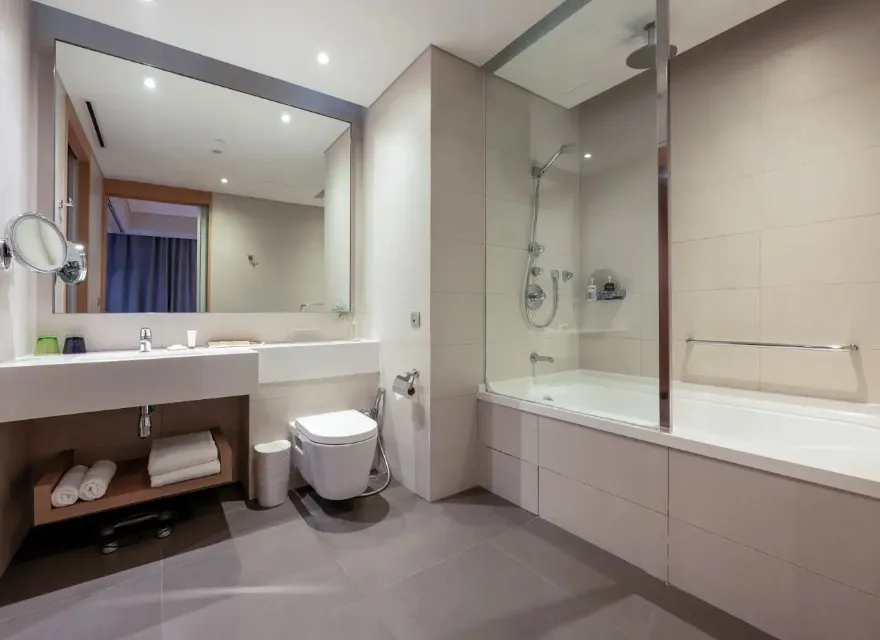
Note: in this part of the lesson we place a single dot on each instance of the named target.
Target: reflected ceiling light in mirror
(285, 118)
(323, 58)
(224, 180)
(588, 155)
(149, 83)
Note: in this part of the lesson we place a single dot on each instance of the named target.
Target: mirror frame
(8, 248)
(52, 25)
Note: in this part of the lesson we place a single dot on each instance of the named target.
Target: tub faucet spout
(536, 357)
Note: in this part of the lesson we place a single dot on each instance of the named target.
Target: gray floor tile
(391, 567)
(480, 593)
(128, 610)
(262, 558)
(555, 554)
(268, 610)
(381, 540)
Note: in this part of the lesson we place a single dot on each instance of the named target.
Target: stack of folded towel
(83, 483)
(179, 458)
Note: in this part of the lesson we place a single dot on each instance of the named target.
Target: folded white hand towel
(189, 473)
(180, 452)
(66, 492)
(97, 479)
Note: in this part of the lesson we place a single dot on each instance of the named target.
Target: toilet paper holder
(405, 384)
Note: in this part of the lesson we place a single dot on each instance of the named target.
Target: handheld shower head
(568, 147)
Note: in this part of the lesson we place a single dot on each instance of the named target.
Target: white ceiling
(586, 54)
(370, 42)
(166, 135)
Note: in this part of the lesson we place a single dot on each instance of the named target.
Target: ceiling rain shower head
(646, 57)
(568, 147)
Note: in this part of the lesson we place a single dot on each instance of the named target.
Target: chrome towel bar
(778, 345)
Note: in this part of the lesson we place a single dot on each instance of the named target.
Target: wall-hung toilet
(334, 452)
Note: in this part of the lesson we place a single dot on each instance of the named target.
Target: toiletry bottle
(609, 289)
(591, 290)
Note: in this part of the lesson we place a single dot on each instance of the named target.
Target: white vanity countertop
(42, 386)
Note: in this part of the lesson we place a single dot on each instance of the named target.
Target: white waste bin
(272, 471)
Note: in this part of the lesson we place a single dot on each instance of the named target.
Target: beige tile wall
(775, 205)
(458, 271)
(618, 207)
(18, 311)
(395, 250)
(523, 130)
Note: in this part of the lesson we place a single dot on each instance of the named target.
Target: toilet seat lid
(339, 427)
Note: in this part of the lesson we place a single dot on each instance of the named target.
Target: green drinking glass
(47, 346)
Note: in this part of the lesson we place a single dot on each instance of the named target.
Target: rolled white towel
(190, 473)
(66, 492)
(181, 452)
(97, 479)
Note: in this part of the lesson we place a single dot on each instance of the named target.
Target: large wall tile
(719, 210)
(839, 186)
(822, 314)
(838, 122)
(505, 269)
(456, 370)
(508, 224)
(631, 532)
(457, 267)
(823, 530)
(505, 321)
(507, 361)
(624, 467)
(716, 263)
(842, 376)
(719, 366)
(512, 479)
(775, 596)
(509, 176)
(457, 98)
(455, 446)
(457, 318)
(615, 355)
(719, 154)
(458, 216)
(458, 163)
(827, 252)
(509, 430)
(723, 314)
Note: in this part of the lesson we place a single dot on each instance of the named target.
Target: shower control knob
(537, 296)
(536, 271)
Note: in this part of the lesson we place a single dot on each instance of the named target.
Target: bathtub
(832, 443)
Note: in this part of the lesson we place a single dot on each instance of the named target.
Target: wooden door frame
(114, 188)
(79, 144)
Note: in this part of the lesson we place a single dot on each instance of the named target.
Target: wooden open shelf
(130, 485)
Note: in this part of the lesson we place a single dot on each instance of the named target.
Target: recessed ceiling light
(224, 180)
(285, 118)
(588, 155)
(323, 58)
(149, 83)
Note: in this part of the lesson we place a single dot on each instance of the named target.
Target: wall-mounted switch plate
(415, 319)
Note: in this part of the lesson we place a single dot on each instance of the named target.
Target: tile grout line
(783, 560)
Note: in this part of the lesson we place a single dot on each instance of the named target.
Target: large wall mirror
(191, 197)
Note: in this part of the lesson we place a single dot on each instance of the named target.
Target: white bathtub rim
(861, 485)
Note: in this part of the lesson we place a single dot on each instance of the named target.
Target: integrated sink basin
(53, 385)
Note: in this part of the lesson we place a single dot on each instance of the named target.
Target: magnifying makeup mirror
(75, 269)
(36, 242)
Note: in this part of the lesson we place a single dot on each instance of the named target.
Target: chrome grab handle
(778, 345)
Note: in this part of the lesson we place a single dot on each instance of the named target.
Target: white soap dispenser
(591, 290)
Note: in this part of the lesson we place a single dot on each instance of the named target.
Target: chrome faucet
(146, 344)
(536, 358)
